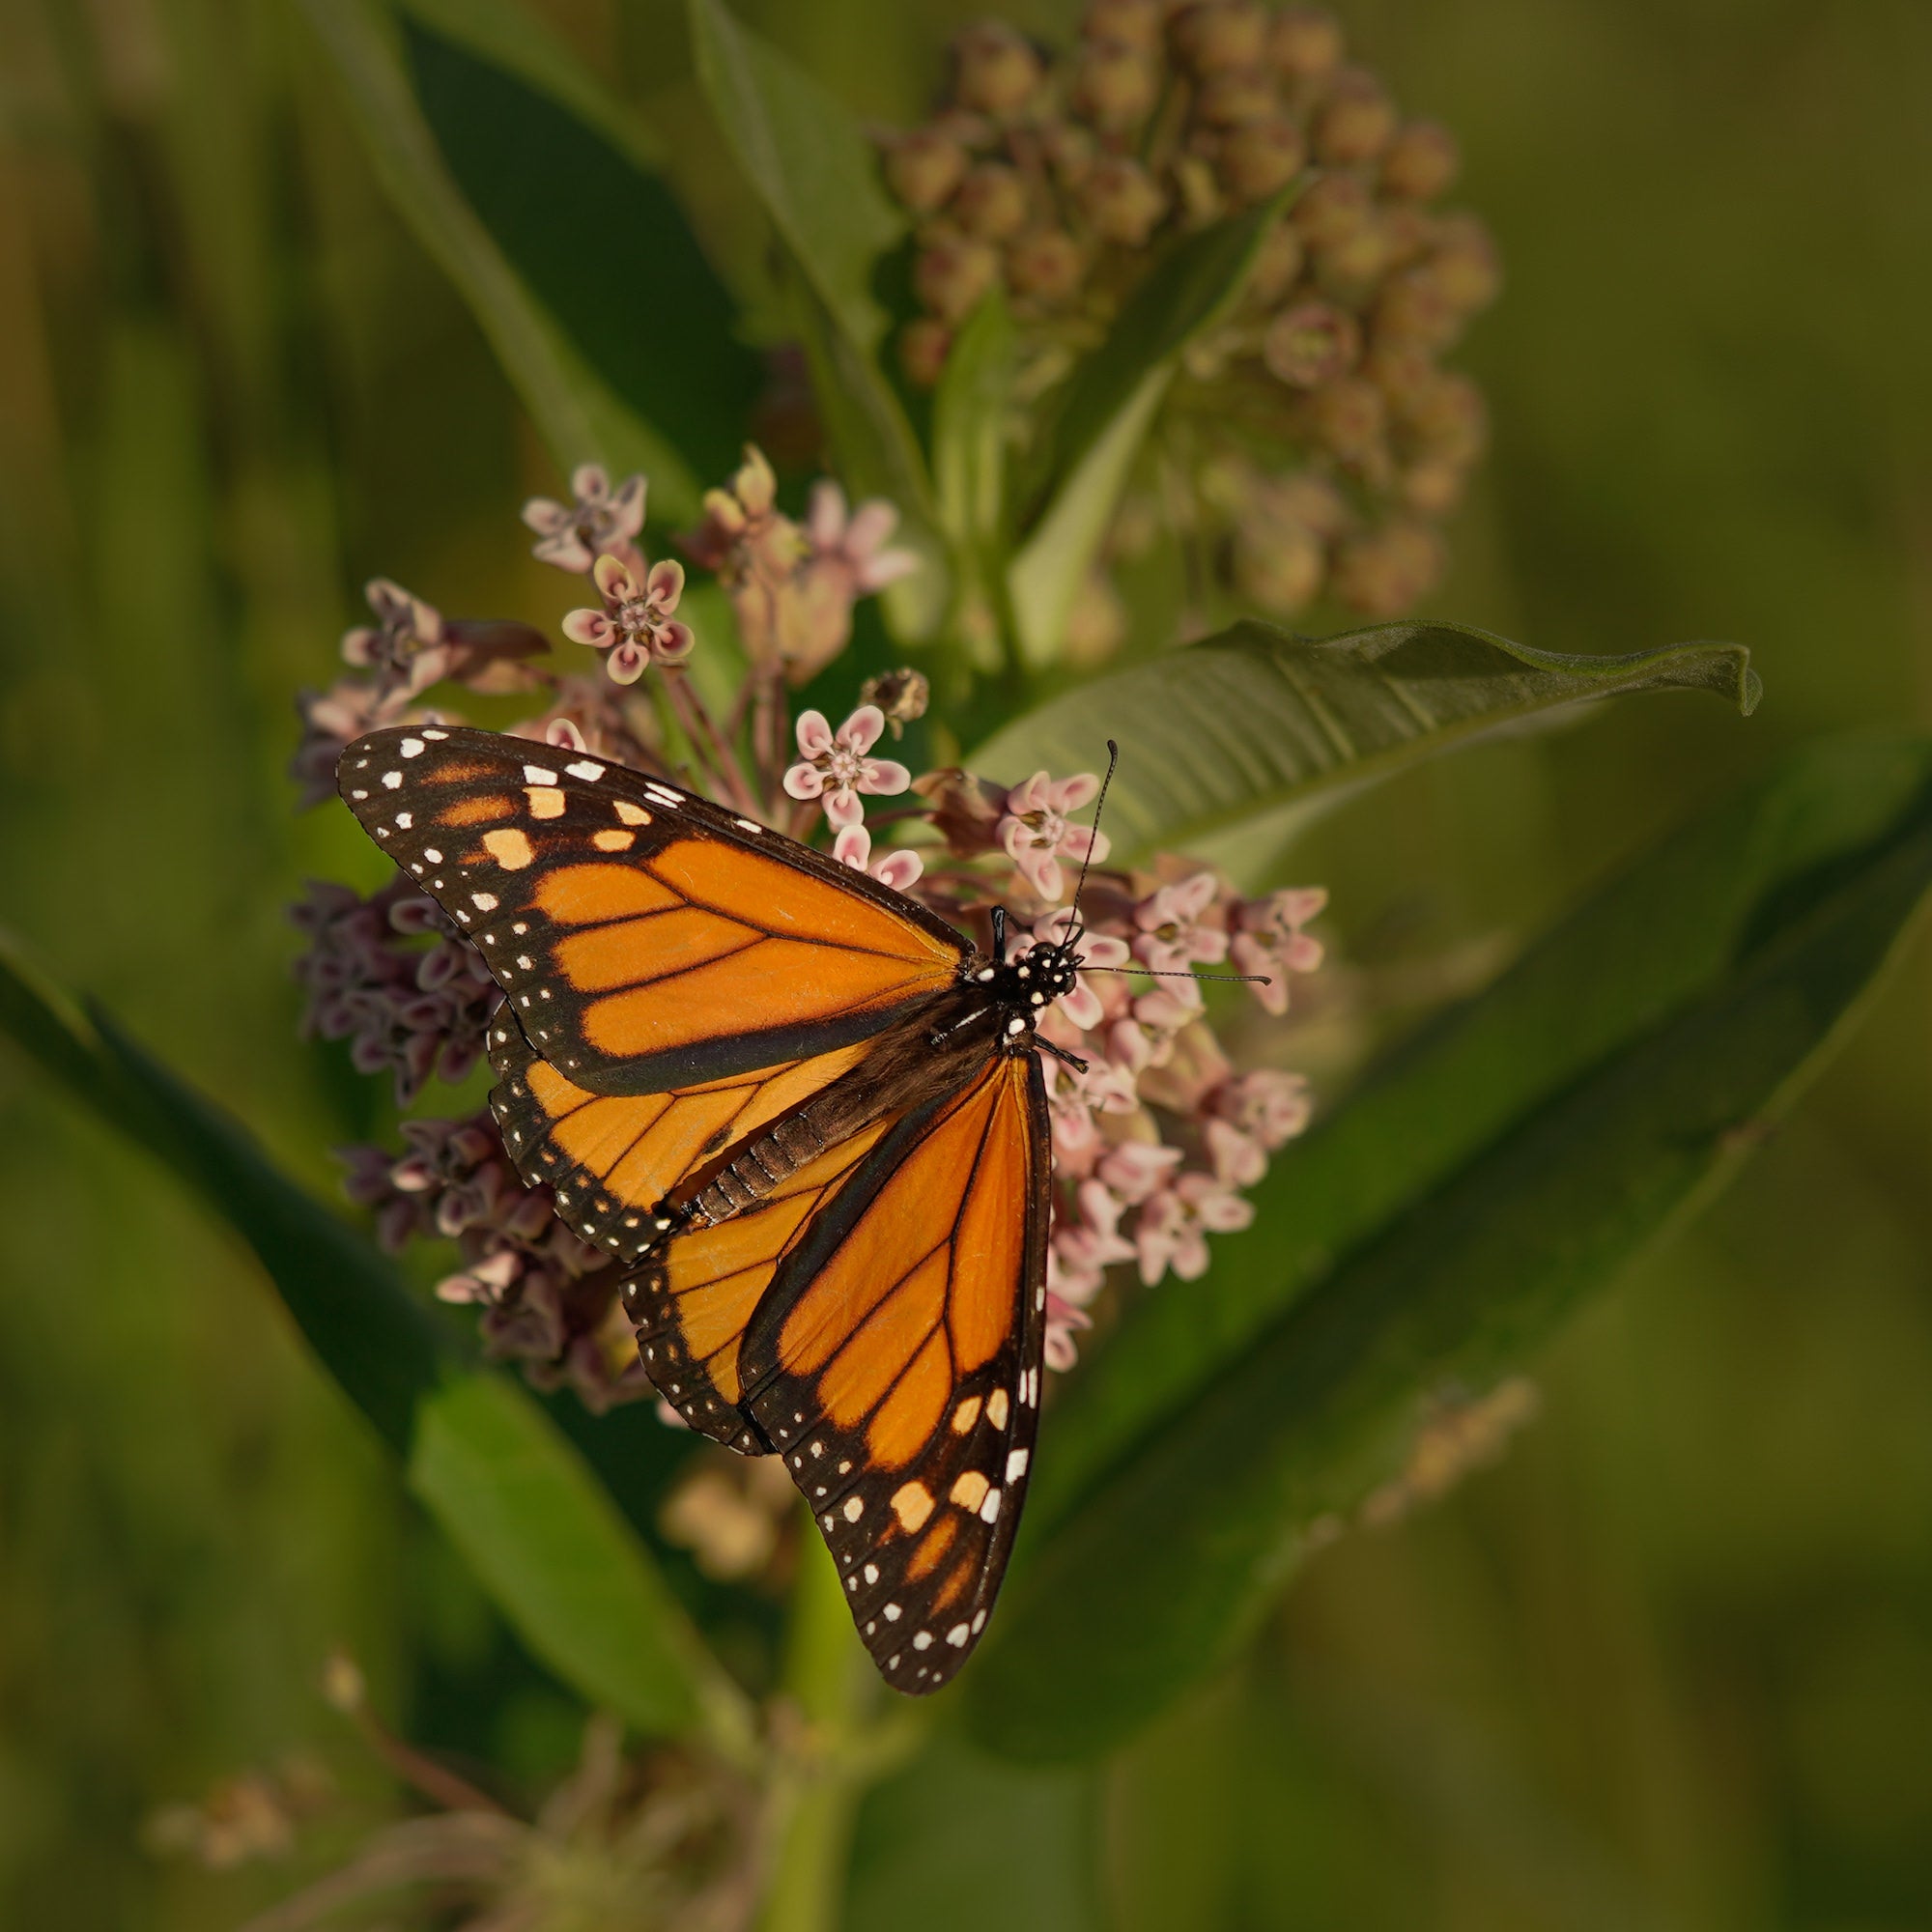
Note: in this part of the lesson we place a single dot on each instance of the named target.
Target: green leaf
(573, 200)
(1045, 578)
(969, 428)
(548, 1544)
(1505, 1166)
(1254, 719)
(1104, 413)
(569, 1573)
(807, 160)
(814, 173)
(506, 109)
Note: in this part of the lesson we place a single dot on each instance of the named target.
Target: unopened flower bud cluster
(1154, 1144)
(1320, 438)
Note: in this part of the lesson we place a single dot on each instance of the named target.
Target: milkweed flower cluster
(1313, 429)
(1158, 1133)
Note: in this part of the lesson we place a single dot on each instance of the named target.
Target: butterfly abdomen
(772, 1157)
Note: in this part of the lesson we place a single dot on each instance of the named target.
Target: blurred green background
(1668, 1666)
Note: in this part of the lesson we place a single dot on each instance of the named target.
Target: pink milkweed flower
(1136, 1170)
(834, 767)
(600, 521)
(1272, 1105)
(1238, 1159)
(1269, 939)
(855, 542)
(635, 625)
(1173, 937)
(1034, 831)
(1172, 1229)
(900, 870)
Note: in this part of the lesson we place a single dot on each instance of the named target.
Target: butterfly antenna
(1073, 926)
(1199, 979)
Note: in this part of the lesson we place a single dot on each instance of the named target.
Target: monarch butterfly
(805, 1114)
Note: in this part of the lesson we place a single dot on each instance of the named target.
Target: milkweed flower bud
(1305, 42)
(924, 346)
(1381, 573)
(901, 695)
(1115, 85)
(953, 274)
(1236, 96)
(1045, 265)
(1121, 200)
(924, 167)
(991, 202)
(1356, 120)
(1212, 36)
(997, 70)
(1465, 264)
(1133, 23)
(1260, 158)
(1311, 344)
(1421, 162)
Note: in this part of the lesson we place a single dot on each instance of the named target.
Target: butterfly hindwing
(896, 1365)
(693, 1298)
(645, 939)
(613, 1159)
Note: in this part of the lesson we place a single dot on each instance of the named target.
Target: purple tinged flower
(1034, 831)
(900, 870)
(835, 768)
(1173, 935)
(635, 625)
(600, 521)
(406, 633)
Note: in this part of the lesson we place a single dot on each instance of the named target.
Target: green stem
(828, 1684)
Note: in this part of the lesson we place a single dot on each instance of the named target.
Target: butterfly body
(803, 1113)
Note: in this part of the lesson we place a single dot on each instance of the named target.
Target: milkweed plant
(1025, 428)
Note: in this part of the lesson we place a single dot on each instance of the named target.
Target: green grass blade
(1254, 719)
(1610, 1082)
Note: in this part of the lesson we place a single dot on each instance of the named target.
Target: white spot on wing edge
(411, 747)
(585, 769)
(537, 775)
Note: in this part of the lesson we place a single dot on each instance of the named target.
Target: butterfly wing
(612, 1159)
(645, 939)
(889, 1342)
(697, 1294)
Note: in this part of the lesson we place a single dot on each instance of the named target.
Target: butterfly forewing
(896, 1365)
(645, 939)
